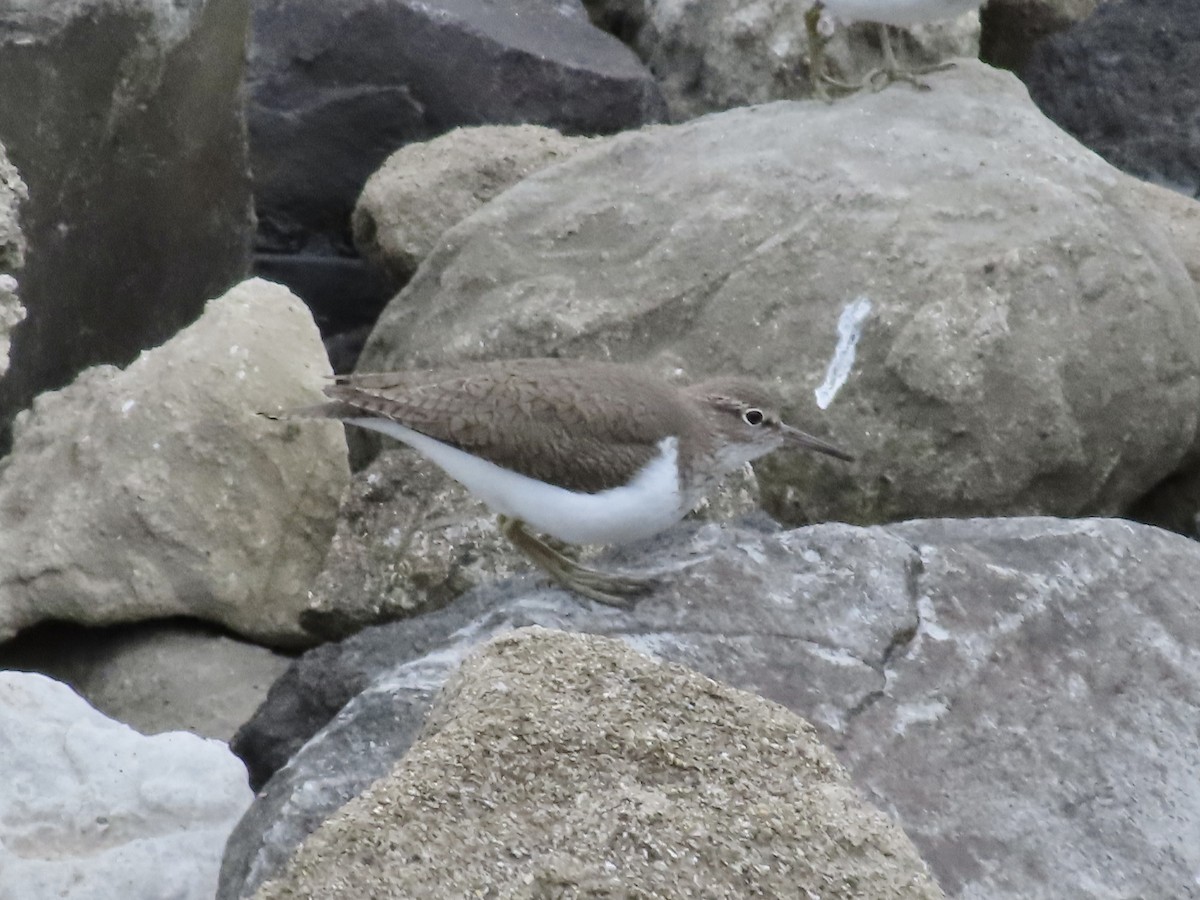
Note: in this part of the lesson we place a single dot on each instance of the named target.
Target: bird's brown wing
(586, 427)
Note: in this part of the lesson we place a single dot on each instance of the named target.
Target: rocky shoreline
(240, 657)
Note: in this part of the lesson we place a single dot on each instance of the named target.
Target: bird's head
(745, 416)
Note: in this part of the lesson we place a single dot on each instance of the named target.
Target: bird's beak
(805, 441)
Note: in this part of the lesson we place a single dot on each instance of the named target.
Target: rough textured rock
(1174, 503)
(165, 493)
(724, 53)
(335, 88)
(408, 539)
(424, 188)
(12, 253)
(1010, 29)
(93, 810)
(1030, 341)
(1177, 214)
(1019, 692)
(125, 118)
(156, 676)
(569, 764)
(1126, 82)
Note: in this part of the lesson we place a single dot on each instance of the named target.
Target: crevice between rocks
(898, 646)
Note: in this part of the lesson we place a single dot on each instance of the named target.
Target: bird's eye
(753, 416)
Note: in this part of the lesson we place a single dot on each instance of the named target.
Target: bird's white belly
(650, 503)
(901, 13)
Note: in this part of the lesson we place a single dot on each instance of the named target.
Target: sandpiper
(585, 452)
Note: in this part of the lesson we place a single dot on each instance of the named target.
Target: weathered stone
(163, 491)
(1126, 83)
(573, 765)
(125, 119)
(424, 188)
(12, 253)
(93, 810)
(1018, 692)
(409, 539)
(336, 88)
(1178, 215)
(1029, 341)
(720, 54)
(156, 676)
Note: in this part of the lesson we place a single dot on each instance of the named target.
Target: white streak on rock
(849, 331)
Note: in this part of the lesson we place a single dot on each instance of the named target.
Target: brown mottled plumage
(585, 426)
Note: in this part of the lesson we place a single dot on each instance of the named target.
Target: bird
(581, 451)
(896, 13)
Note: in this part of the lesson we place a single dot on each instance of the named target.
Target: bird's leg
(816, 50)
(891, 70)
(820, 80)
(615, 590)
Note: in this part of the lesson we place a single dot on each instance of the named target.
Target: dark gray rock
(126, 122)
(1126, 83)
(1020, 693)
(1010, 29)
(335, 88)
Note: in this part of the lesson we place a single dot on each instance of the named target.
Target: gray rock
(164, 491)
(125, 118)
(93, 810)
(12, 253)
(569, 765)
(1173, 503)
(1010, 29)
(335, 88)
(1030, 341)
(424, 188)
(156, 676)
(720, 54)
(1126, 83)
(1017, 692)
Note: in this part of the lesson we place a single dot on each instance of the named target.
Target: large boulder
(1126, 83)
(93, 810)
(1020, 693)
(158, 491)
(125, 118)
(987, 317)
(566, 765)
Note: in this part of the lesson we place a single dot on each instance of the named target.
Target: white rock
(89, 808)
(158, 490)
